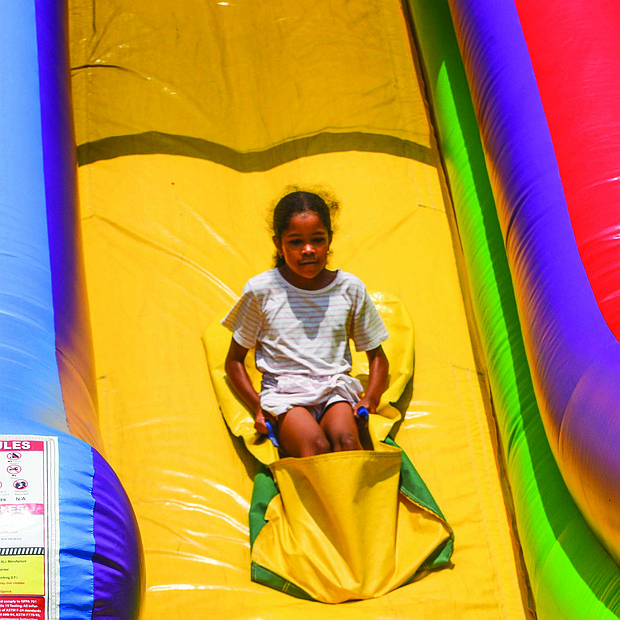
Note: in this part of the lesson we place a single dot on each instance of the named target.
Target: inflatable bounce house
(474, 147)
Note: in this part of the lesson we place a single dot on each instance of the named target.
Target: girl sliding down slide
(300, 316)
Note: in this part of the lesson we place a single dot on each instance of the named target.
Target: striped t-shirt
(296, 331)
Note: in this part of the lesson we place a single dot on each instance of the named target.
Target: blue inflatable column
(92, 550)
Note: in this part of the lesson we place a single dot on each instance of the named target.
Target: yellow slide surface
(192, 118)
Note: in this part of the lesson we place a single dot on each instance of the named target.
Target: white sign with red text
(28, 527)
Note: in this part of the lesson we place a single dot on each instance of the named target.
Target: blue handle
(362, 413)
(272, 433)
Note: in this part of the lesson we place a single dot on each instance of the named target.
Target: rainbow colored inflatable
(474, 147)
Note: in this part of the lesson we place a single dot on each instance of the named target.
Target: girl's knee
(316, 445)
(347, 441)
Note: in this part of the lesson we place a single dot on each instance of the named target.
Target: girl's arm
(377, 380)
(240, 381)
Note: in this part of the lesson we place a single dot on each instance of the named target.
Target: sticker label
(29, 571)
(23, 608)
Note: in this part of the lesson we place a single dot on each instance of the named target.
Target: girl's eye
(299, 242)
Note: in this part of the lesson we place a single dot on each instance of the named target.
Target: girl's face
(304, 246)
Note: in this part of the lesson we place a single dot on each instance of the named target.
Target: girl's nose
(308, 249)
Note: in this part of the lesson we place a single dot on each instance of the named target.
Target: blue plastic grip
(272, 433)
(362, 413)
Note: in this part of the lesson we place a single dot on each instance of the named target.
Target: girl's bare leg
(340, 427)
(299, 434)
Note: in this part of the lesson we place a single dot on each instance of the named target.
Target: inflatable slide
(472, 145)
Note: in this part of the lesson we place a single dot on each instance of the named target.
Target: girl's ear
(278, 244)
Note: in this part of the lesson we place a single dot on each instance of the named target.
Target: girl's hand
(370, 407)
(260, 421)
(377, 382)
(367, 402)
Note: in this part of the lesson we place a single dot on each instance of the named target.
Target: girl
(300, 316)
